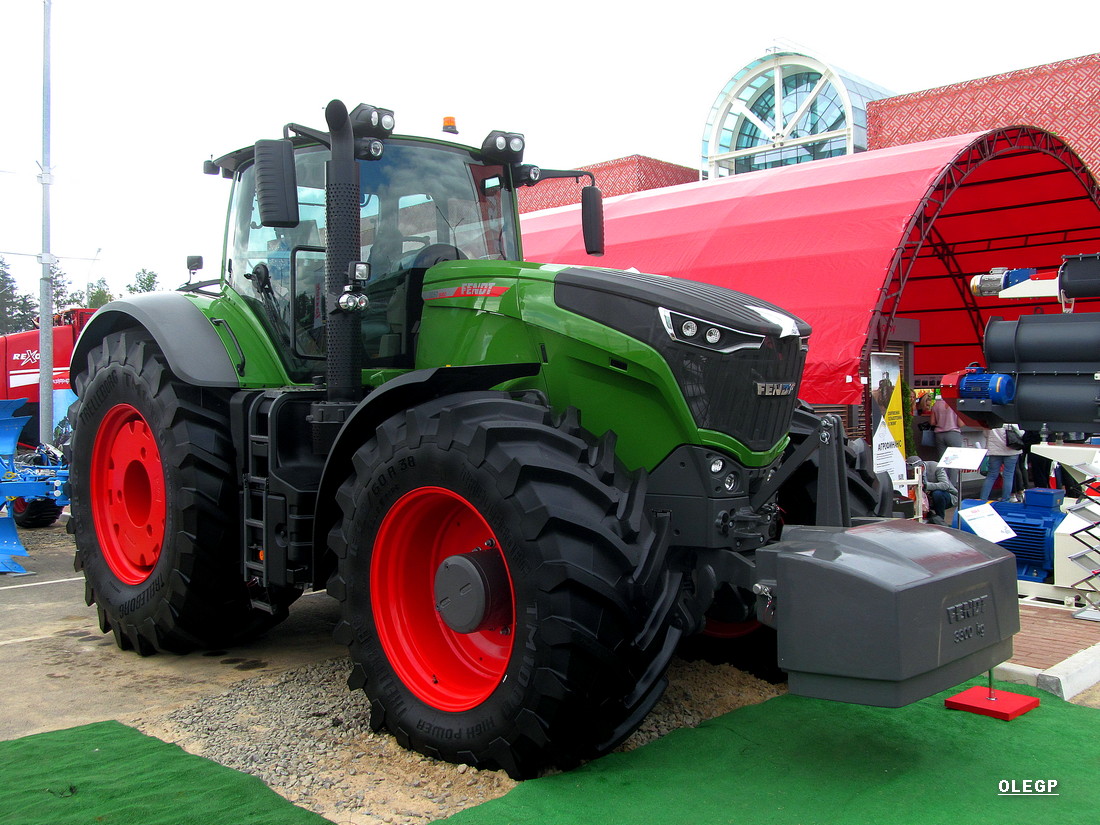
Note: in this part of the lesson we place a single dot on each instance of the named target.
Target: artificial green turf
(798, 761)
(110, 774)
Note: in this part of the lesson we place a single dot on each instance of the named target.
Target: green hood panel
(503, 312)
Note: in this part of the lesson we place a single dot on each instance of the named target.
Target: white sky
(144, 91)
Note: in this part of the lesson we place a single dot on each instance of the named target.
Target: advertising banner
(887, 430)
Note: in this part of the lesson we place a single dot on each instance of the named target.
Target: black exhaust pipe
(342, 248)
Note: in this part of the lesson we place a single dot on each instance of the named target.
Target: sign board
(887, 429)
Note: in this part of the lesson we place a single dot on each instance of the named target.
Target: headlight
(352, 301)
(503, 147)
(685, 328)
(371, 121)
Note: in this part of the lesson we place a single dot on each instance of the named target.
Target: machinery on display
(524, 483)
(32, 483)
(19, 364)
(32, 475)
(1043, 374)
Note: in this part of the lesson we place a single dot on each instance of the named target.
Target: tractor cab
(419, 204)
(416, 202)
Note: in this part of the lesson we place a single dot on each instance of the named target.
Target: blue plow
(24, 477)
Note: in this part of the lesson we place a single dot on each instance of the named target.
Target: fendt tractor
(524, 483)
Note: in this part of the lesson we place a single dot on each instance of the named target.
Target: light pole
(45, 290)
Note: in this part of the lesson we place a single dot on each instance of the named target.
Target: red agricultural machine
(33, 473)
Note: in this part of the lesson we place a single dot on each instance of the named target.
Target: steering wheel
(435, 253)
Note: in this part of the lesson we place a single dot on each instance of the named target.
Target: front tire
(561, 651)
(154, 506)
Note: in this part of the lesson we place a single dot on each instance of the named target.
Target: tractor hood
(737, 359)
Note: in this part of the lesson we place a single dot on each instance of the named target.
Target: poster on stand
(887, 431)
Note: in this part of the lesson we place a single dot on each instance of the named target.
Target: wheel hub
(472, 591)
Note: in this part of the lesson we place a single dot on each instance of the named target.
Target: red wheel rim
(19, 506)
(729, 630)
(448, 670)
(128, 501)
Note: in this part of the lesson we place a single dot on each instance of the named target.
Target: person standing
(1002, 458)
(948, 432)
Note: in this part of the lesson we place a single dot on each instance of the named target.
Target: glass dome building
(786, 108)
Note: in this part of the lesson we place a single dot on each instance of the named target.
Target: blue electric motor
(1034, 523)
(996, 386)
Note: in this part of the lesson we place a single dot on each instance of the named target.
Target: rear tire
(154, 505)
(570, 656)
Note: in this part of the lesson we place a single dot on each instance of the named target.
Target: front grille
(723, 391)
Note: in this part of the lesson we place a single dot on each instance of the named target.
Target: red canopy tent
(851, 243)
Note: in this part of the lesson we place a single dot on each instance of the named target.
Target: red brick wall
(1063, 98)
(614, 177)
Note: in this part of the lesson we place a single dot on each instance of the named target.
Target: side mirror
(194, 263)
(592, 220)
(276, 183)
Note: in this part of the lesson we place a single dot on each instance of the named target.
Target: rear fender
(886, 613)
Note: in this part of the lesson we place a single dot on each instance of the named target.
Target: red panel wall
(614, 177)
(1063, 98)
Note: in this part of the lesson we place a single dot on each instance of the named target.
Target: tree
(63, 296)
(17, 312)
(99, 294)
(144, 281)
(26, 312)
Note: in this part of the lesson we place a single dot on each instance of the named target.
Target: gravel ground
(306, 735)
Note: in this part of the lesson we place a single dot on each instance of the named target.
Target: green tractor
(524, 483)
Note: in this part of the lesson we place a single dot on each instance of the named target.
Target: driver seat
(406, 305)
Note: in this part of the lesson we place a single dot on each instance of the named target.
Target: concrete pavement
(59, 670)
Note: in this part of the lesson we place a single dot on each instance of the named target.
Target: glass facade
(786, 108)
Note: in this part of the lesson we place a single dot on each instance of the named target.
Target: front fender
(402, 393)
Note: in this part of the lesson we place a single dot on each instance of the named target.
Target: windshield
(416, 196)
